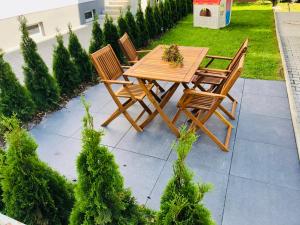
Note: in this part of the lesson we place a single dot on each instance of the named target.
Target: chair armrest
(214, 75)
(125, 67)
(143, 51)
(218, 57)
(212, 70)
(133, 62)
(116, 82)
(202, 93)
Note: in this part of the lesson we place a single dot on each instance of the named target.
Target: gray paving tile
(267, 163)
(266, 105)
(140, 172)
(269, 130)
(253, 203)
(265, 87)
(113, 132)
(213, 200)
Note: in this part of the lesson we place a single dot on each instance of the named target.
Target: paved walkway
(256, 183)
(289, 31)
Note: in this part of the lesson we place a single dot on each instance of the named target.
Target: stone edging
(289, 89)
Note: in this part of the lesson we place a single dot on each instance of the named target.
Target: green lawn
(253, 21)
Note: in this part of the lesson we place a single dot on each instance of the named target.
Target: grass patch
(248, 20)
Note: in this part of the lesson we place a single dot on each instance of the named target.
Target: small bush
(41, 85)
(14, 98)
(143, 35)
(173, 12)
(96, 41)
(80, 58)
(33, 193)
(168, 14)
(150, 21)
(163, 15)
(158, 19)
(64, 69)
(180, 202)
(2, 159)
(133, 29)
(122, 25)
(111, 36)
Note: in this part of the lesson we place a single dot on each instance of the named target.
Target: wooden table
(152, 67)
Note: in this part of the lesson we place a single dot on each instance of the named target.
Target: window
(35, 29)
(205, 12)
(89, 16)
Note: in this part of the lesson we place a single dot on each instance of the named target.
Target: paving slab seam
(293, 108)
(235, 137)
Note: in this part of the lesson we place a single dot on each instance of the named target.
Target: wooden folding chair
(132, 55)
(206, 104)
(109, 70)
(215, 78)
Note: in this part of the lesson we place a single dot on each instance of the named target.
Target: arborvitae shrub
(185, 7)
(179, 9)
(96, 41)
(80, 58)
(14, 98)
(2, 159)
(33, 193)
(122, 25)
(111, 36)
(150, 21)
(143, 35)
(163, 16)
(41, 85)
(173, 6)
(181, 200)
(190, 6)
(133, 29)
(100, 194)
(168, 13)
(64, 69)
(158, 19)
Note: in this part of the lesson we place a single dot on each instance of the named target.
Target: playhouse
(212, 13)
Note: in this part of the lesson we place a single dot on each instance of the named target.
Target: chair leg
(145, 107)
(231, 114)
(161, 89)
(196, 122)
(133, 123)
(175, 118)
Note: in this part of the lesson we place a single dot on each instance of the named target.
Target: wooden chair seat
(135, 90)
(207, 80)
(200, 102)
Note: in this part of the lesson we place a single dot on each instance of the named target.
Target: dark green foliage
(184, 7)
(143, 35)
(168, 13)
(2, 160)
(179, 9)
(173, 13)
(150, 21)
(41, 85)
(64, 69)
(33, 193)
(96, 41)
(80, 58)
(111, 36)
(164, 16)
(181, 200)
(100, 194)
(190, 6)
(158, 19)
(14, 98)
(133, 29)
(122, 25)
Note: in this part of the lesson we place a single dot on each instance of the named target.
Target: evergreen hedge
(158, 19)
(33, 193)
(96, 41)
(150, 21)
(14, 98)
(133, 29)
(122, 25)
(181, 200)
(168, 14)
(111, 36)
(143, 35)
(80, 58)
(100, 194)
(64, 69)
(2, 159)
(41, 85)
(163, 16)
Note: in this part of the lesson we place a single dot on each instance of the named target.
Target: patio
(257, 182)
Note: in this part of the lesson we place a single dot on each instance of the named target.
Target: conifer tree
(100, 194)
(2, 159)
(168, 13)
(179, 9)
(173, 6)
(122, 25)
(41, 85)
(158, 19)
(33, 193)
(163, 16)
(64, 69)
(150, 21)
(143, 35)
(14, 98)
(96, 41)
(80, 57)
(111, 36)
(184, 7)
(181, 200)
(133, 29)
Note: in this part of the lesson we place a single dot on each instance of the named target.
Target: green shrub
(111, 36)
(14, 98)
(64, 69)
(180, 202)
(100, 194)
(190, 6)
(122, 25)
(133, 29)
(168, 13)
(173, 6)
(150, 21)
(143, 35)
(2, 159)
(158, 19)
(41, 85)
(33, 193)
(80, 58)
(179, 9)
(96, 41)
(163, 16)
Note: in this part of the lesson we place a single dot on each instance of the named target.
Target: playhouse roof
(207, 2)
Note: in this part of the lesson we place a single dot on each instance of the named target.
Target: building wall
(89, 6)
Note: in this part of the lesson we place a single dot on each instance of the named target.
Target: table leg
(159, 106)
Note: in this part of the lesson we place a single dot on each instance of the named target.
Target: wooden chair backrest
(128, 48)
(107, 63)
(233, 76)
(243, 49)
